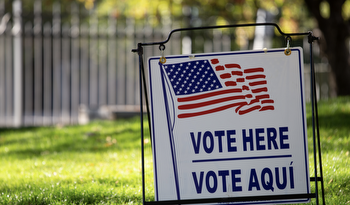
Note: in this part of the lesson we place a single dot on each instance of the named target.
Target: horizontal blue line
(241, 158)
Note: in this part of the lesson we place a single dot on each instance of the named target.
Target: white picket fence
(57, 70)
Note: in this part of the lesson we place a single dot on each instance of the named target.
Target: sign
(229, 124)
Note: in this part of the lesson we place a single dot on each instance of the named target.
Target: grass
(99, 163)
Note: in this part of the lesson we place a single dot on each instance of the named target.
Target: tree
(332, 17)
(334, 23)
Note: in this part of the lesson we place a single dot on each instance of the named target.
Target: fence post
(17, 63)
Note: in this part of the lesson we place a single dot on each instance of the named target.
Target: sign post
(229, 127)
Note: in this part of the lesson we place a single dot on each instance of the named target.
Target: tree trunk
(336, 32)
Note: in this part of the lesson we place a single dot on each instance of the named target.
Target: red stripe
(207, 95)
(186, 115)
(211, 102)
(239, 73)
(259, 90)
(232, 65)
(267, 101)
(214, 61)
(219, 67)
(242, 112)
(230, 83)
(262, 96)
(251, 77)
(253, 70)
(244, 87)
(258, 83)
(225, 75)
(241, 80)
(270, 107)
(254, 101)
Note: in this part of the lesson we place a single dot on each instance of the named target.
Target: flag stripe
(230, 83)
(267, 101)
(258, 83)
(207, 95)
(252, 77)
(186, 115)
(232, 65)
(253, 70)
(225, 75)
(270, 107)
(210, 102)
(214, 61)
(240, 80)
(259, 90)
(219, 67)
(242, 112)
(239, 73)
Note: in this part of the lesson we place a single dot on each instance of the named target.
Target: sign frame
(316, 140)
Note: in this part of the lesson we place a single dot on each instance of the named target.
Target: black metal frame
(315, 124)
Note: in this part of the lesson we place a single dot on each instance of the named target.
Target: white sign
(229, 124)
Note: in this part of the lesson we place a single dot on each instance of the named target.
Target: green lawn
(99, 163)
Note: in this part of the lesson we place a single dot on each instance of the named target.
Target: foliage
(99, 163)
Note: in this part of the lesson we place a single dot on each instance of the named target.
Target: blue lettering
(259, 139)
(195, 144)
(220, 134)
(253, 181)
(223, 175)
(291, 177)
(271, 138)
(235, 180)
(211, 189)
(267, 184)
(283, 137)
(284, 177)
(210, 148)
(230, 140)
(196, 183)
(247, 139)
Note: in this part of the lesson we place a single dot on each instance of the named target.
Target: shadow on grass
(45, 141)
(334, 131)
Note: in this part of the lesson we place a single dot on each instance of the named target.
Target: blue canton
(192, 77)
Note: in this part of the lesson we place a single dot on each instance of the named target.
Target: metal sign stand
(315, 125)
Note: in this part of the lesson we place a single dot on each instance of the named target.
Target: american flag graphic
(203, 87)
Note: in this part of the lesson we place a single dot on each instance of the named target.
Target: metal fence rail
(65, 67)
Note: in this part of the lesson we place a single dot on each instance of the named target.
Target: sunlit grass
(99, 163)
(94, 164)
